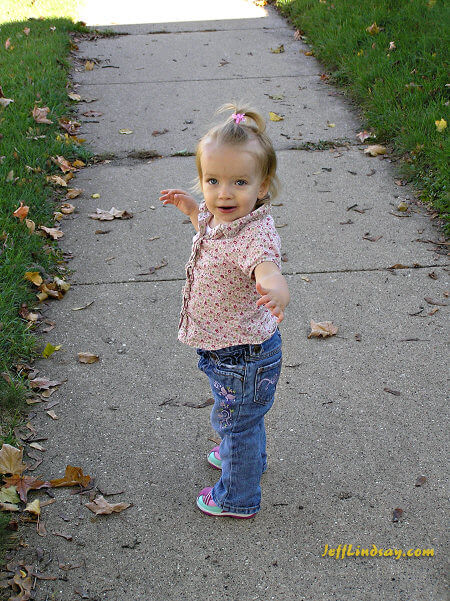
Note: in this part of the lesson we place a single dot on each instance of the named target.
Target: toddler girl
(233, 300)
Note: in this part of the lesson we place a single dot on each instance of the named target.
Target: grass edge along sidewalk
(392, 59)
(35, 45)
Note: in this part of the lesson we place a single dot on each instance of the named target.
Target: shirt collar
(228, 230)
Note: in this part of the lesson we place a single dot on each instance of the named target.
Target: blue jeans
(243, 380)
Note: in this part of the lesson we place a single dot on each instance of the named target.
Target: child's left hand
(273, 300)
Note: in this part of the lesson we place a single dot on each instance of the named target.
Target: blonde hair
(236, 134)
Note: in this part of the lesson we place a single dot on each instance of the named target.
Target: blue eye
(212, 180)
(241, 182)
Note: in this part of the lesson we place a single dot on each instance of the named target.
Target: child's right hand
(181, 199)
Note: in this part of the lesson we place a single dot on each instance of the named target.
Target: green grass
(34, 70)
(401, 115)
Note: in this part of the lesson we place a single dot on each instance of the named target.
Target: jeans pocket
(266, 382)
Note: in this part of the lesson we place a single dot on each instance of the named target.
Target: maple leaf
(72, 477)
(25, 483)
(40, 114)
(21, 212)
(101, 506)
(11, 460)
(322, 328)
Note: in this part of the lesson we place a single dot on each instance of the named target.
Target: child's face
(231, 181)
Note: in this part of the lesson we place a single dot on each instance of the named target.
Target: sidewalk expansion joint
(291, 273)
(206, 79)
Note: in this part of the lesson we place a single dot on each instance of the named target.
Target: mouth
(226, 209)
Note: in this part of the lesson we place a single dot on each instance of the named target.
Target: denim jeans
(243, 380)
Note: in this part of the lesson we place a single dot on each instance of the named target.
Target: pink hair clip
(238, 118)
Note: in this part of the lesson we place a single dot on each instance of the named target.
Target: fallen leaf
(363, 135)
(420, 481)
(223, 62)
(10, 176)
(40, 114)
(62, 535)
(21, 212)
(41, 529)
(5, 101)
(100, 506)
(34, 277)
(44, 383)
(9, 507)
(36, 445)
(399, 266)
(308, 52)
(153, 269)
(49, 350)
(373, 29)
(88, 65)
(63, 164)
(199, 405)
(34, 507)
(53, 232)
(274, 117)
(81, 308)
(73, 193)
(402, 206)
(323, 329)
(96, 195)
(113, 213)
(30, 225)
(72, 477)
(276, 96)
(441, 125)
(375, 150)
(25, 483)
(92, 114)
(57, 179)
(305, 278)
(52, 414)
(298, 34)
(74, 96)
(66, 208)
(11, 460)
(125, 131)
(430, 301)
(70, 126)
(88, 358)
(77, 163)
(397, 514)
(160, 133)
(392, 46)
(394, 392)
(9, 495)
(278, 50)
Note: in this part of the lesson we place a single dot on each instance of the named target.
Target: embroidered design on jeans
(225, 410)
(267, 381)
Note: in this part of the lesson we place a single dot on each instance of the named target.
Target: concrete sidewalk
(343, 452)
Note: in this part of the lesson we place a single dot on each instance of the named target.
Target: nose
(225, 191)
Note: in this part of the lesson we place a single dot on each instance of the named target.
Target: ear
(264, 188)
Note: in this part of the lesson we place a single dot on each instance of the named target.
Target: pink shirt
(219, 297)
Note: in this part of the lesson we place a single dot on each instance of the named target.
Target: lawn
(392, 59)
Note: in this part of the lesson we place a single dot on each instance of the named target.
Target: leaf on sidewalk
(113, 213)
(25, 483)
(274, 117)
(85, 357)
(11, 460)
(72, 477)
(322, 329)
(100, 506)
(50, 349)
(278, 50)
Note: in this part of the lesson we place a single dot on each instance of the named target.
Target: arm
(272, 286)
(184, 202)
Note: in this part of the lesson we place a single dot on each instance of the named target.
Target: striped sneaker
(207, 505)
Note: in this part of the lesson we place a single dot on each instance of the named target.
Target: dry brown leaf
(100, 506)
(44, 383)
(70, 126)
(88, 358)
(322, 328)
(9, 507)
(53, 232)
(66, 208)
(375, 150)
(25, 483)
(34, 507)
(11, 460)
(113, 213)
(57, 179)
(34, 277)
(21, 584)
(78, 164)
(52, 414)
(73, 193)
(30, 225)
(278, 50)
(89, 65)
(420, 481)
(40, 114)
(21, 212)
(72, 477)
(374, 29)
(62, 163)
(74, 96)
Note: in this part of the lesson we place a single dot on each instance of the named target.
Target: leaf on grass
(5, 101)
(100, 506)
(274, 117)
(11, 460)
(113, 213)
(363, 135)
(49, 350)
(62, 163)
(70, 126)
(25, 483)
(30, 225)
(21, 212)
(9, 495)
(375, 149)
(40, 114)
(322, 328)
(441, 125)
(74, 96)
(34, 277)
(88, 358)
(374, 29)
(53, 232)
(34, 507)
(57, 179)
(72, 477)
(278, 50)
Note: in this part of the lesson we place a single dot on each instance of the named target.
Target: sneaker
(207, 505)
(215, 460)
